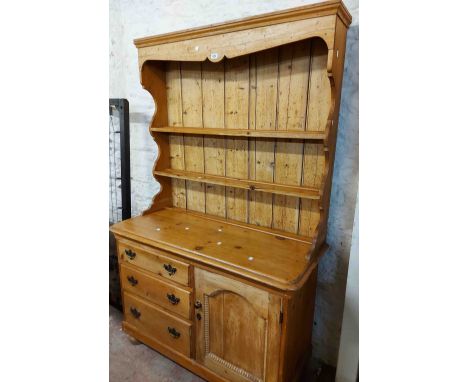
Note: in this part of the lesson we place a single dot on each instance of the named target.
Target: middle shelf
(248, 184)
(278, 134)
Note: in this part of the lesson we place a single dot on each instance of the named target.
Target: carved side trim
(206, 304)
(329, 153)
(153, 80)
(335, 67)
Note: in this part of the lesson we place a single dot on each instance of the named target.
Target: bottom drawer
(158, 324)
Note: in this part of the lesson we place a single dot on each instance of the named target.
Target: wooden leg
(133, 340)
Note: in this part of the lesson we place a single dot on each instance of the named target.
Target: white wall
(130, 19)
(348, 356)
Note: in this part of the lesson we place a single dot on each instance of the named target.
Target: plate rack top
(245, 124)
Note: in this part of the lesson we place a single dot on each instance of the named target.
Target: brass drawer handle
(173, 332)
(135, 312)
(173, 299)
(132, 280)
(170, 269)
(130, 254)
(198, 304)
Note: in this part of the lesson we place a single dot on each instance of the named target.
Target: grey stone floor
(135, 362)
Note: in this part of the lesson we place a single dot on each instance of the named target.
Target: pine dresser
(219, 273)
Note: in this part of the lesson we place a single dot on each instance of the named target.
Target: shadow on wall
(333, 266)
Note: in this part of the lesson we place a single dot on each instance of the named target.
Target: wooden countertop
(274, 258)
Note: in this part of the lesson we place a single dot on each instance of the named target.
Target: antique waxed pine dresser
(219, 273)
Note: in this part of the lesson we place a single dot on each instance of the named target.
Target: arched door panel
(238, 328)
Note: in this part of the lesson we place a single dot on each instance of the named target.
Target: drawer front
(154, 322)
(154, 261)
(170, 297)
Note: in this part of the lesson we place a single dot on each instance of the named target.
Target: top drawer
(155, 261)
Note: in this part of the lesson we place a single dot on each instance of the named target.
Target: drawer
(155, 261)
(156, 323)
(171, 297)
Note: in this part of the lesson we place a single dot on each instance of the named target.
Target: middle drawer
(168, 296)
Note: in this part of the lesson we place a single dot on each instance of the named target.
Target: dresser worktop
(274, 258)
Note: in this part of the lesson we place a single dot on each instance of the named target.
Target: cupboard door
(238, 328)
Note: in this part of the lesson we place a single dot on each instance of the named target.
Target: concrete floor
(135, 362)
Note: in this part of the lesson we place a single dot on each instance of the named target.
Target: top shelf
(279, 134)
